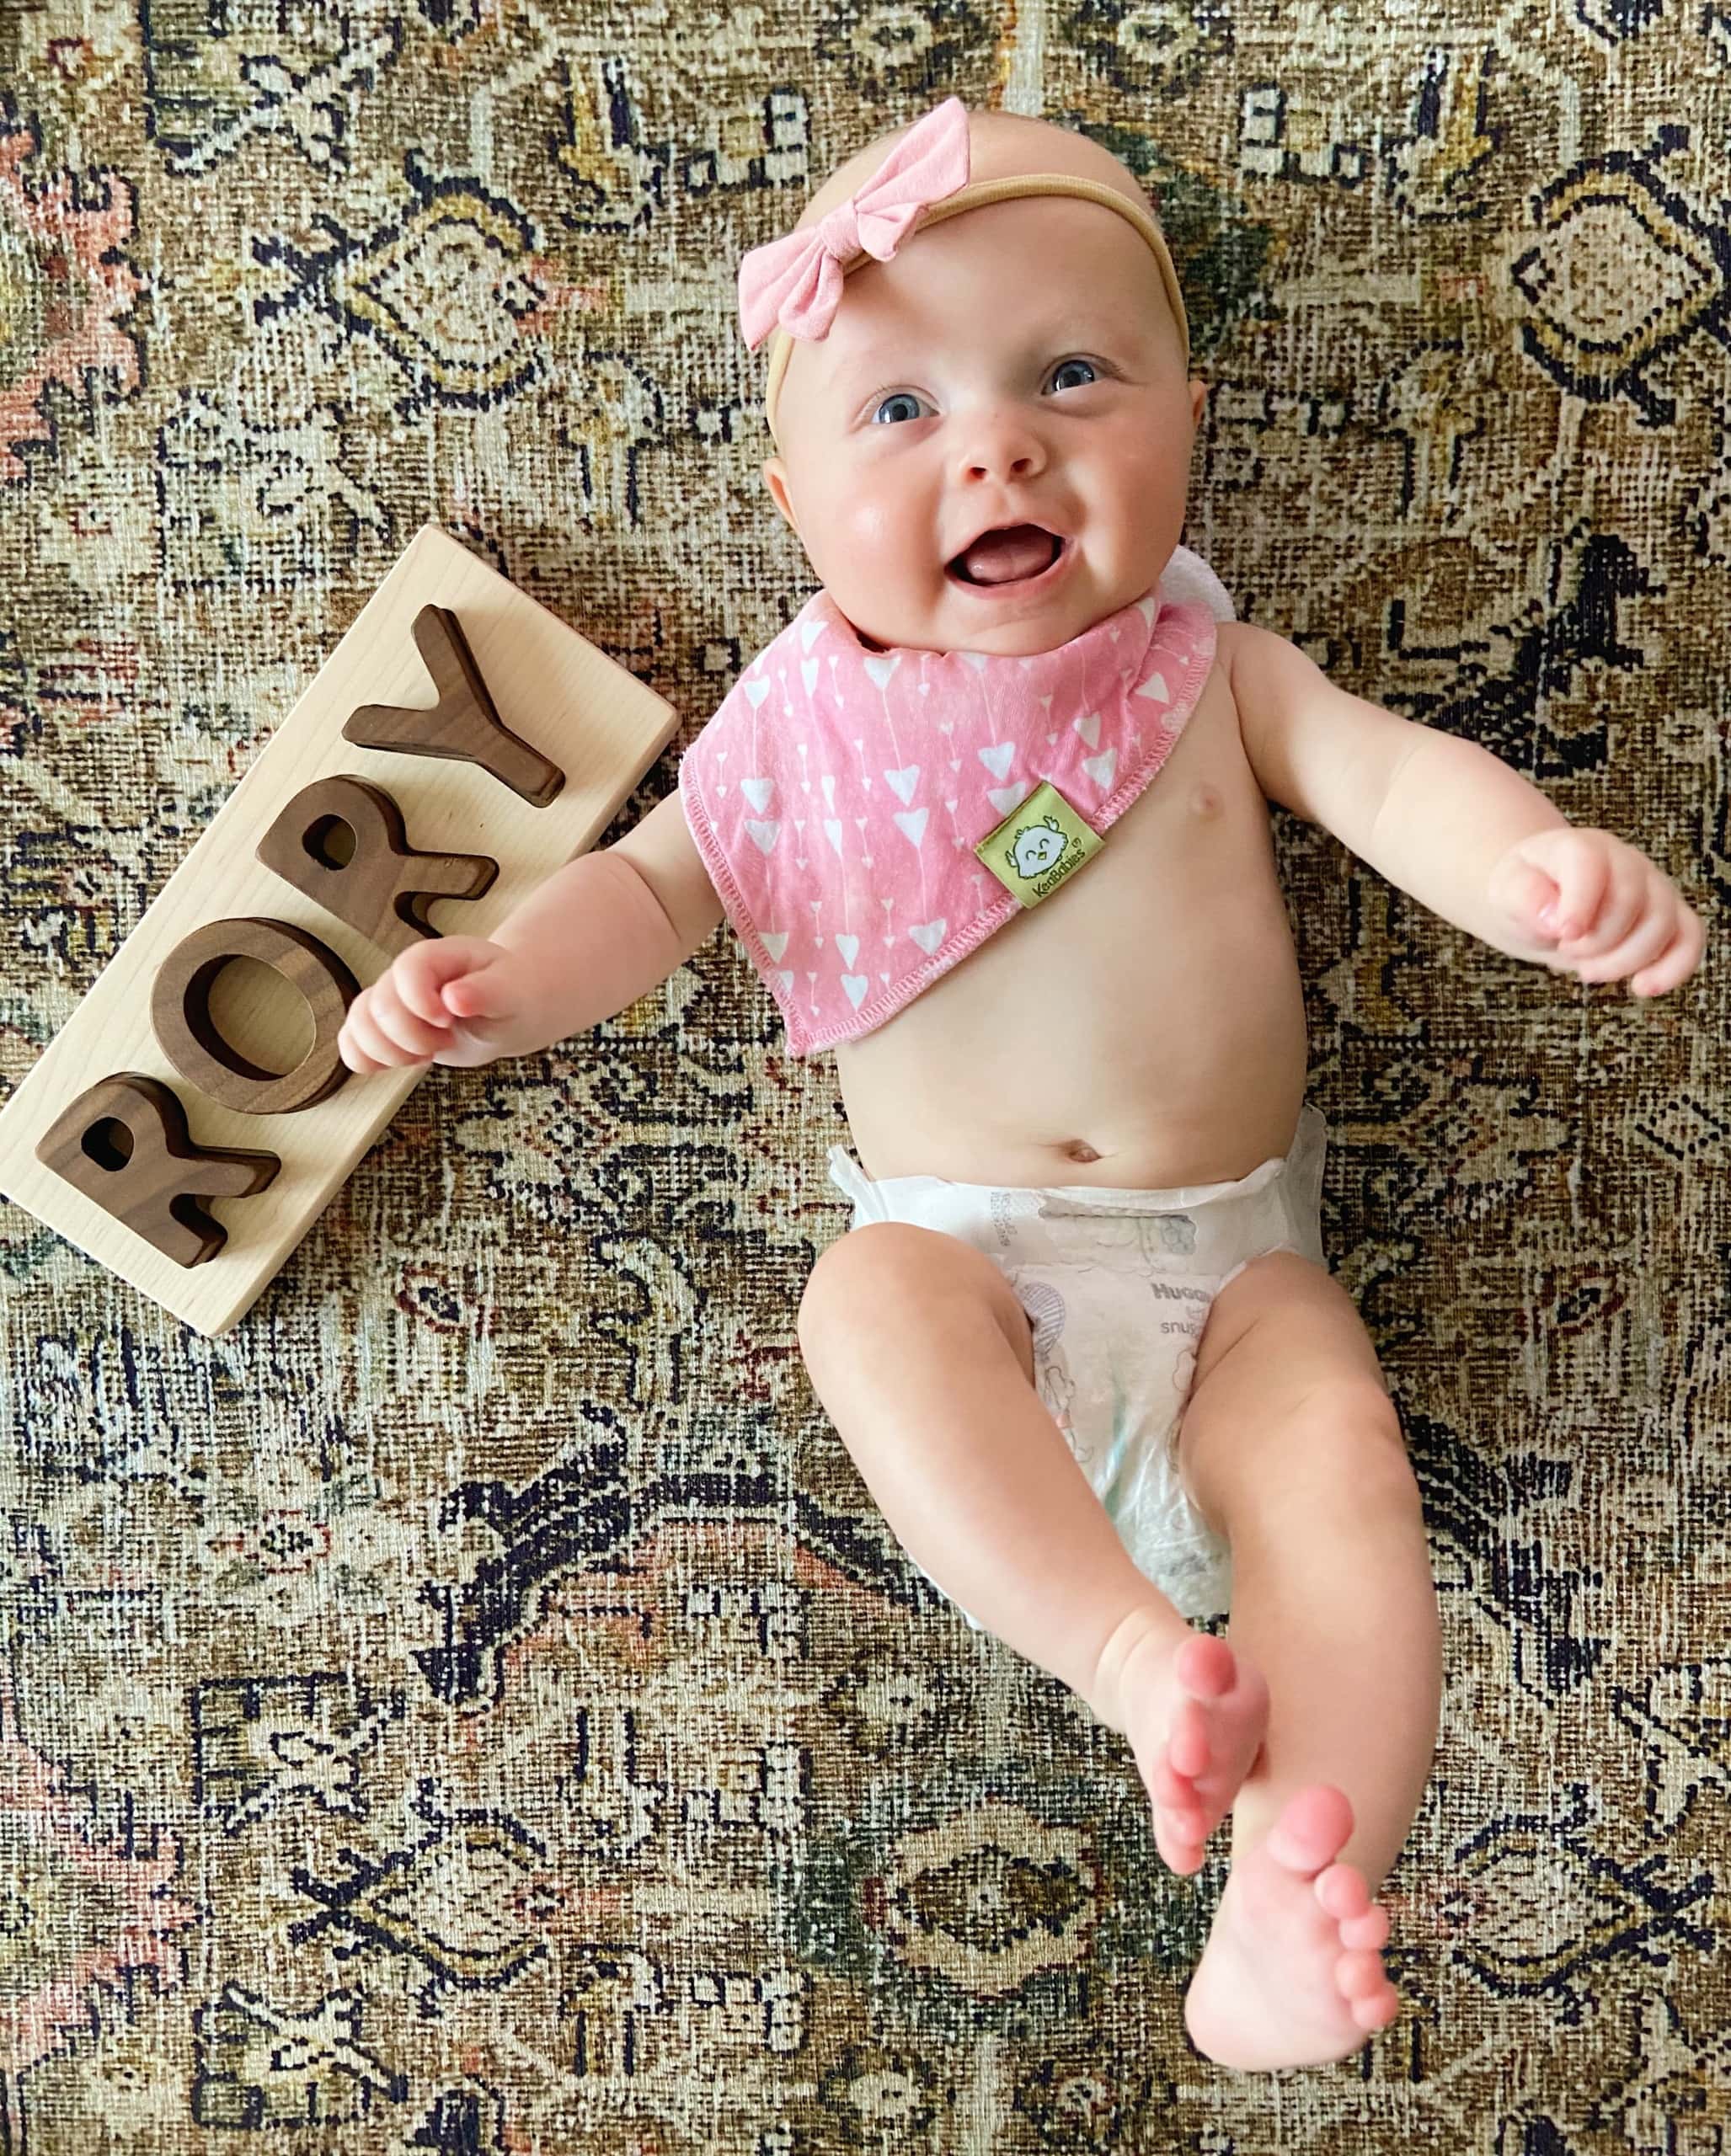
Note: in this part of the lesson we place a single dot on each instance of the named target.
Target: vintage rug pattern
(474, 1705)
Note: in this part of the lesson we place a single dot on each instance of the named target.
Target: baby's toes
(1167, 1786)
(1179, 1828)
(1342, 1891)
(1188, 1750)
(1371, 1930)
(1376, 2006)
(1178, 1836)
(1361, 1978)
(1206, 1665)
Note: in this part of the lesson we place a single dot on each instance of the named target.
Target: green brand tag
(1037, 846)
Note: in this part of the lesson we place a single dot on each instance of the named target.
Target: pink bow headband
(793, 285)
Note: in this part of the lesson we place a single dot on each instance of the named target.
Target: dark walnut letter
(124, 1142)
(378, 882)
(181, 1012)
(464, 724)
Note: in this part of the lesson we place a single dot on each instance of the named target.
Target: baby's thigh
(1291, 1322)
(893, 1290)
(1283, 1356)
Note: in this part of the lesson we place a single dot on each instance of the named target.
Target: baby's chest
(1180, 862)
(1201, 820)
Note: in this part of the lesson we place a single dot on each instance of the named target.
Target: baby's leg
(922, 1357)
(1292, 1448)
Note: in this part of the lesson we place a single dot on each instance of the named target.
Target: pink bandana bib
(868, 817)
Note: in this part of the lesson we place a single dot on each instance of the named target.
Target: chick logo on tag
(1038, 845)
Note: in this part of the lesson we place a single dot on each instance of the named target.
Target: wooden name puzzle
(202, 1067)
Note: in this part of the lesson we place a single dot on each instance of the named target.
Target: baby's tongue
(1001, 557)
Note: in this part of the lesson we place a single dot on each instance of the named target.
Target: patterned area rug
(474, 1705)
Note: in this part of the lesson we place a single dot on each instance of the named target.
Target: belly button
(1206, 801)
(1078, 1149)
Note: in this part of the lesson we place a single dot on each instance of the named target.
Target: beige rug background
(475, 1707)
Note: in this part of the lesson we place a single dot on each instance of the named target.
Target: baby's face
(1016, 365)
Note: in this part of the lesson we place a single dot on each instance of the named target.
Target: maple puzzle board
(188, 1018)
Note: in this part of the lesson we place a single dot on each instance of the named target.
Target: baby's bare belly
(1142, 1027)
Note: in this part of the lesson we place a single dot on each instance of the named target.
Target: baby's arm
(1450, 823)
(584, 945)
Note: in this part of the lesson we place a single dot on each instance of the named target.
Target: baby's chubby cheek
(838, 511)
(878, 536)
(882, 568)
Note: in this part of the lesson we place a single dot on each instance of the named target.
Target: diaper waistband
(1302, 1160)
(1199, 1229)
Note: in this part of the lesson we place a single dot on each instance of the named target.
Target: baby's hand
(436, 1002)
(1607, 911)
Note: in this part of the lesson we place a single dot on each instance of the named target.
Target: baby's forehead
(1077, 267)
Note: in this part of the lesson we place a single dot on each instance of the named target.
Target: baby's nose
(983, 464)
(999, 443)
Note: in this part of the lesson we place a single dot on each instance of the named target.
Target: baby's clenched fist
(442, 1001)
(1604, 909)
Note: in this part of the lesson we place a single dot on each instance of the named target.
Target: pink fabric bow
(796, 281)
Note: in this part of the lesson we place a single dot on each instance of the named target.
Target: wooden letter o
(181, 1012)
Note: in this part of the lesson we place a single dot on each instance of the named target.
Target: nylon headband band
(975, 197)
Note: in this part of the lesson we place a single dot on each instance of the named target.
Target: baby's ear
(775, 478)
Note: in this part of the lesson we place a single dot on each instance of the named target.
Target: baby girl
(1097, 1410)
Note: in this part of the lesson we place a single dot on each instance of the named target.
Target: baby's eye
(1062, 364)
(908, 397)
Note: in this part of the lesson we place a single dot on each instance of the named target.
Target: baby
(1081, 1340)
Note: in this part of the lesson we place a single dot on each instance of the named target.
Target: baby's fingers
(1626, 903)
(1578, 862)
(1648, 925)
(391, 1014)
(467, 1050)
(423, 971)
(1526, 894)
(1679, 958)
(491, 991)
(1651, 936)
(362, 1045)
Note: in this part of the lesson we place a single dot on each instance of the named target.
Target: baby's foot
(1195, 1714)
(1291, 1975)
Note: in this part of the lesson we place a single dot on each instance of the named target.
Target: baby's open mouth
(1009, 555)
